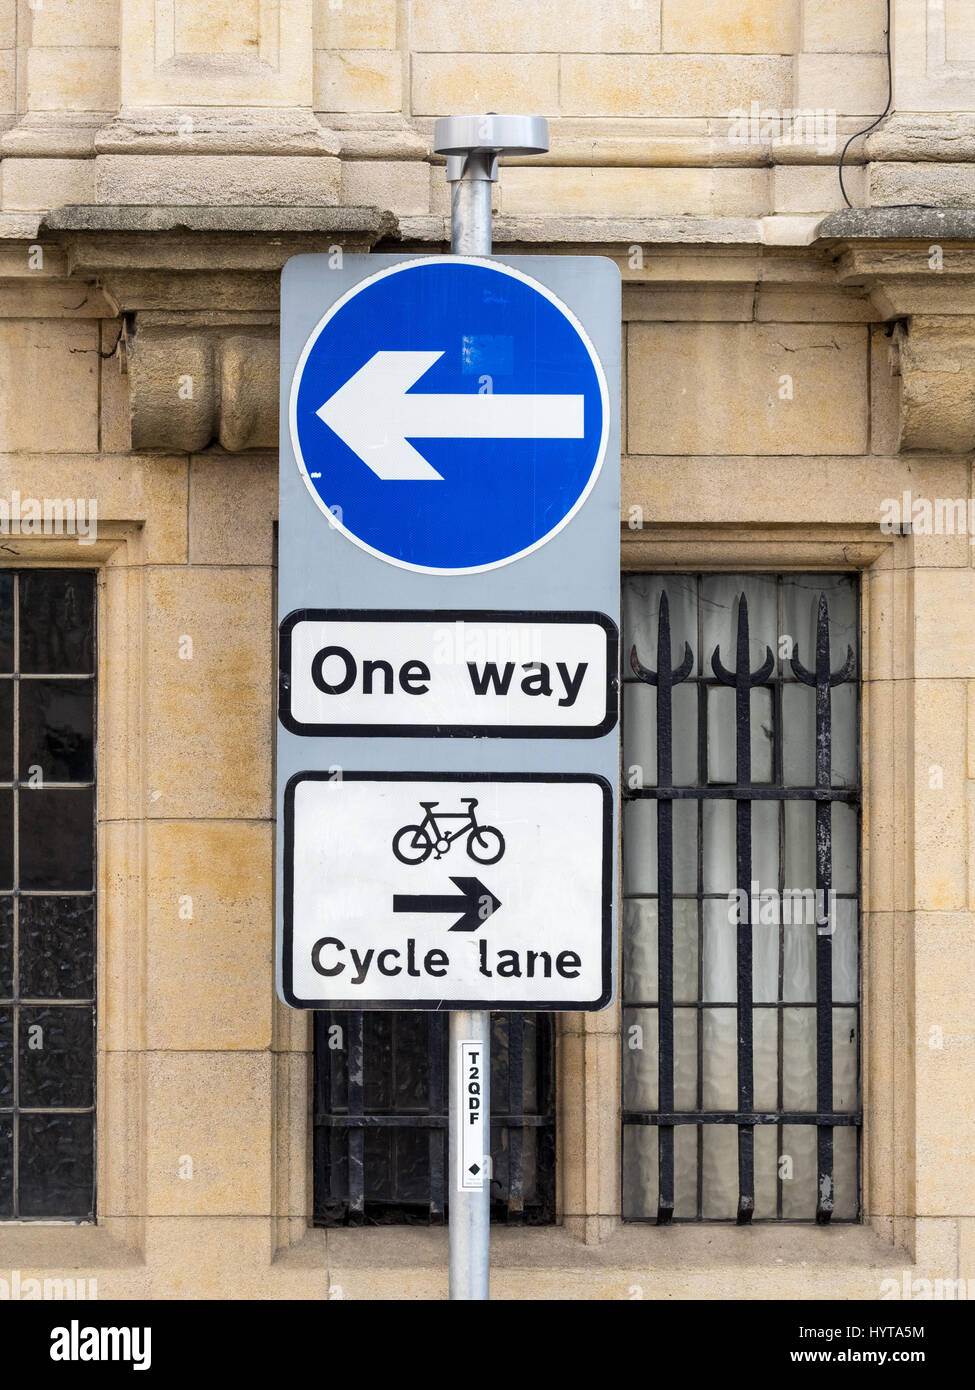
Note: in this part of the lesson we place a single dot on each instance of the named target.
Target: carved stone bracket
(191, 386)
(935, 359)
(918, 265)
(198, 291)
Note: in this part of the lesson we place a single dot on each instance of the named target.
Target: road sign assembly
(448, 601)
(448, 598)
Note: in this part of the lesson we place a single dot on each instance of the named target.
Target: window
(47, 901)
(380, 1123)
(741, 927)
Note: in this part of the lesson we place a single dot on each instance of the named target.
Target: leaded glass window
(380, 1118)
(47, 894)
(741, 1093)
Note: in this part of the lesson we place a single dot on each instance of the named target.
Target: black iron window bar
(742, 680)
(380, 1118)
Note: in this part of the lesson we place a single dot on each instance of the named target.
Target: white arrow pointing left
(373, 414)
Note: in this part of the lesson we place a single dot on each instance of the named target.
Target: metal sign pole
(470, 1206)
(472, 145)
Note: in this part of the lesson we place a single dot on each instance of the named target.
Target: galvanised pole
(472, 145)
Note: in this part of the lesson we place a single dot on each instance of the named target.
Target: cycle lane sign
(448, 608)
(446, 892)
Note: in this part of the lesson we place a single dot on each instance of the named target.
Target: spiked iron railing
(743, 681)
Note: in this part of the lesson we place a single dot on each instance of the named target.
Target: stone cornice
(913, 223)
(197, 289)
(367, 224)
(942, 137)
(216, 130)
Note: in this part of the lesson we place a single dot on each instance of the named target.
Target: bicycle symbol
(414, 844)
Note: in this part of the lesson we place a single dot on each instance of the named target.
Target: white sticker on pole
(474, 1132)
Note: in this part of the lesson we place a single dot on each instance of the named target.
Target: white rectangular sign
(465, 673)
(441, 890)
(475, 1136)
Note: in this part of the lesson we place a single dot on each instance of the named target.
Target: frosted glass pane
(640, 950)
(845, 1173)
(723, 735)
(722, 739)
(720, 963)
(845, 753)
(800, 845)
(799, 1191)
(685, 1059)
(765, 843)
(640, 846)
(685, 950)
(684, 742)
(719, 616)
(641, 604)
(844, 1059)
(766, 1171)
(799, 958)
(720, 1069)
(685, 1171)
(761, 735)
(639, 734)
(719, 1172)
(800, 594)
(844, 823)
(765, 949)
(719, 847)
(720, 820)
(799, 735)
(685, 847)
(719, 975)
(640, 1059)
(845, 951)
(799, 1059)
(639, 1172)
(765, 1058)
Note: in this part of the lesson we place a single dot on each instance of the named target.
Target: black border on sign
(447, 615)
(415, 1005)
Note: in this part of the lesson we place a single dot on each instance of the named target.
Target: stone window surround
(591, 1234)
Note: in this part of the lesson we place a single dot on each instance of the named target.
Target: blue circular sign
(449, 414)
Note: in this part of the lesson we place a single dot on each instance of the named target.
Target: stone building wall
(158, 164)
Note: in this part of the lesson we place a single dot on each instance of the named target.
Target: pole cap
(458, 137)
(500, 134)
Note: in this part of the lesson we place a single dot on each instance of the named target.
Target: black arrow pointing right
(475, 903)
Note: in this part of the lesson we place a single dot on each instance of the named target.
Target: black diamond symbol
(474, 1169)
